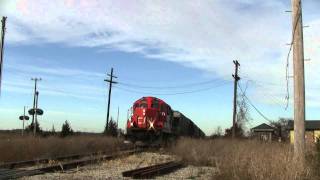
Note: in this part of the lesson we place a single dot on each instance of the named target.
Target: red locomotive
(152, 119)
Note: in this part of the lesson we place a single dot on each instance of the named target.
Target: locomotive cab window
(155, 104)
(169, 111)
(162, 108)
(135, 106)
(143, 104)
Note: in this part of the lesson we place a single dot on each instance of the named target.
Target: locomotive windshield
(143, 104)
(155, 104)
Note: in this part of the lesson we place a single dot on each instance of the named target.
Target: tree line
(66, 129)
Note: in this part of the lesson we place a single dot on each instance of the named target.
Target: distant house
(312, 130)
(263, 132)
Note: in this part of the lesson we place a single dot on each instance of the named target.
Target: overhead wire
(261, 82)
(175, 93)
(170, 87)
(272, 97)
(249, 101)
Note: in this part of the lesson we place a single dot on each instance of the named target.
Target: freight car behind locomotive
(183, 126)
(152, 119)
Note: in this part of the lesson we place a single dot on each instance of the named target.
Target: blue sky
(72, 46)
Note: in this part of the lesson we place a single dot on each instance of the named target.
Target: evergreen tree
(66, 129)
(112, 128)
(29, 129)
(53, 131)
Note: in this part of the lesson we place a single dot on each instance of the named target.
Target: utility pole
(109, 96)
(3, 31)
(34, 103)
(236, 79)
(299, 82)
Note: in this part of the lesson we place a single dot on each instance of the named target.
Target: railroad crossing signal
(23, 118)
(38, 111)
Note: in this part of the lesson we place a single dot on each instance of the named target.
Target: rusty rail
(18, 173)
(155, 170)
(17, 164)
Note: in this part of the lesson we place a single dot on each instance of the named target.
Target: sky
(179, 51)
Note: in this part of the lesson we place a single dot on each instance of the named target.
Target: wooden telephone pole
(3, 31)
(299, 86)
(109, 96)
(236, 79)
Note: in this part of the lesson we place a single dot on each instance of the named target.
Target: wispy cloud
(204, 34)
(56, 81)
(54, 71)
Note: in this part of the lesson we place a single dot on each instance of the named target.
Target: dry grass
(17, 148)
(245, 159)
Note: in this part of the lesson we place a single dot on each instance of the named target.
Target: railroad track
(12, 173)
(155, 170)
(18, 164)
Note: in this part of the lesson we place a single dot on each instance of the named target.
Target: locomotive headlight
(131, 124)
(151, 126)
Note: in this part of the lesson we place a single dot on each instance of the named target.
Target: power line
(170, 87)
(272, 97)
(261, 82)
(176, 93)
(249, 101)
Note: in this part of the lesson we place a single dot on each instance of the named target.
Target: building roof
(309, 125)
(263, 127)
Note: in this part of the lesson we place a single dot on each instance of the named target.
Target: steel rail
(155, 170)
(11, 165)
(18, 173)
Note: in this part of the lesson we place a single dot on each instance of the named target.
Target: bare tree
(281, 127)
(217, 132)
(243, 113)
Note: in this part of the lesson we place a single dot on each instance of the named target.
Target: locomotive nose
(146, 118)
(141, 117)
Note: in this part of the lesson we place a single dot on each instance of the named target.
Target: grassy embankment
(247, 159)
(18, 148)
